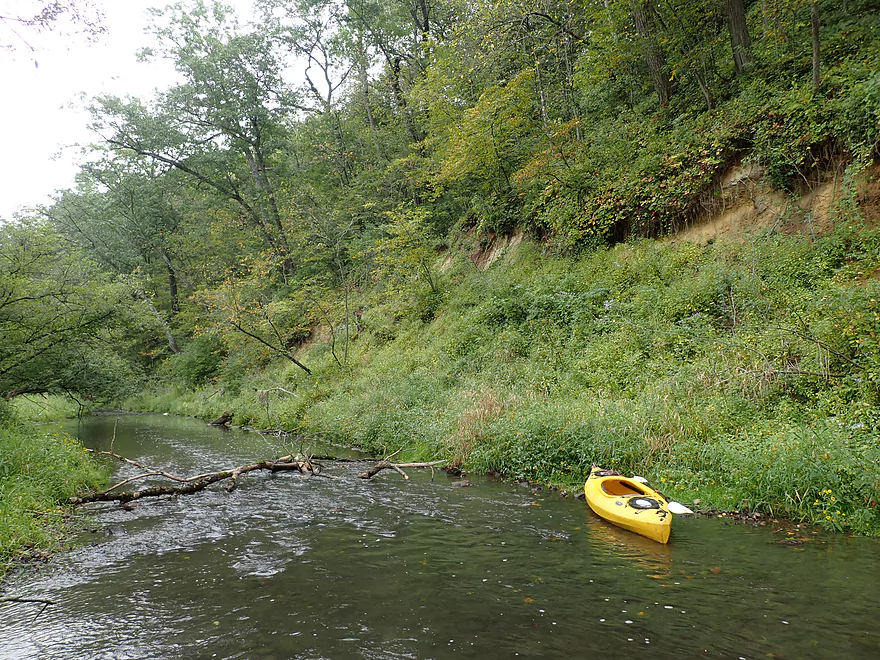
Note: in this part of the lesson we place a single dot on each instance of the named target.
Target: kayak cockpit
(621, 488)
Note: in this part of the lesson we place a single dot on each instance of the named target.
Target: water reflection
(653, 558)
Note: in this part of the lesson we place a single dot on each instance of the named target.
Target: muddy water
(295, 567)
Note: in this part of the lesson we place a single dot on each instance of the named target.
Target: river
(288, 566)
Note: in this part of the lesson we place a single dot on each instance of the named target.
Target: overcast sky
(41, 107)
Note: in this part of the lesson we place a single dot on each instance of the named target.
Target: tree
(256, 311)
(63, 323)
(408, 251)
(740, 41)
(32, 17)
(654, 58)
(224, 127)
(128, 227)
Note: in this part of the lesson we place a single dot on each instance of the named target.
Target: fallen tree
(194, 484)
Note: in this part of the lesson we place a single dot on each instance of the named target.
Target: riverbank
(742, 371)
(39, 469)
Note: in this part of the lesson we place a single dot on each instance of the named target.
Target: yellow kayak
(629, 504)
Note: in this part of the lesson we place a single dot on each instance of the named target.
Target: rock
(580, 496)
(461, 484)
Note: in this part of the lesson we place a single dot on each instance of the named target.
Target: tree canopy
(322, 158)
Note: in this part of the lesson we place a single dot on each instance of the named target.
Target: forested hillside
(444, 225)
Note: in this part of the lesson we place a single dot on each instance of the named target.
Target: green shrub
(200, 359)
(39, 470)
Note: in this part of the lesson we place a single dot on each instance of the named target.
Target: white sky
(41, 108)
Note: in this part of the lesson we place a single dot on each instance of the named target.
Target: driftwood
(188, 485)
(397, 467)
(194, 484)
(386, 464)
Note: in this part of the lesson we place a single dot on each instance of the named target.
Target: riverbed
(291, 566)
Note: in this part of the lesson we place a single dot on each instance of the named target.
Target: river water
(289, 566)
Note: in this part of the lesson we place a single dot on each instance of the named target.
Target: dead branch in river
(397, 467)
(188, 485)
(386, 464)
(194, 484)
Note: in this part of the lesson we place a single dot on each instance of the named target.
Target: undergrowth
(39, 469)
(743, 373)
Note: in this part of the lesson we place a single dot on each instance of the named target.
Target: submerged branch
(45, 602)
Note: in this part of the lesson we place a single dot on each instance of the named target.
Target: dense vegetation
(312, 208)
(742, 373)
(39, 470)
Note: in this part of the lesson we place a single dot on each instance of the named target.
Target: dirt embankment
(746, 202)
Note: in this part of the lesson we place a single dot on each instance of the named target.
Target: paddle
(675, 507)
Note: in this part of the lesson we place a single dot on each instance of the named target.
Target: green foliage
(408, 250)
(46, 408)
(320, 252)
(62, 319)
(39, 470)
(723, 372)
(200, 360)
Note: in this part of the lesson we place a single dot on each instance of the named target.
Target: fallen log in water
(188, 485)
(194, 484)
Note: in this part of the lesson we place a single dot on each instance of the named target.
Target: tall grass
(45, 408)
(745, 373)
(39, 470)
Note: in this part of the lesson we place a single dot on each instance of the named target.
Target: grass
(743, 373)
(44, 408)
(39, 469)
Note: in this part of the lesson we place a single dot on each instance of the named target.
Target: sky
(42, 106)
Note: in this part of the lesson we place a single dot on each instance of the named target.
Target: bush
(39, 470)
(200, 359)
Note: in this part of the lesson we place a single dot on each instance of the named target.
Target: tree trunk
(651, 52)
(814, 35)
(172, 343)
(365, 85)
(172, 281)
(400, 99)
(704, 87)
(740, 41)
(172, 290)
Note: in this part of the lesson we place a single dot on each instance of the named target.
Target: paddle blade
(675, 507)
